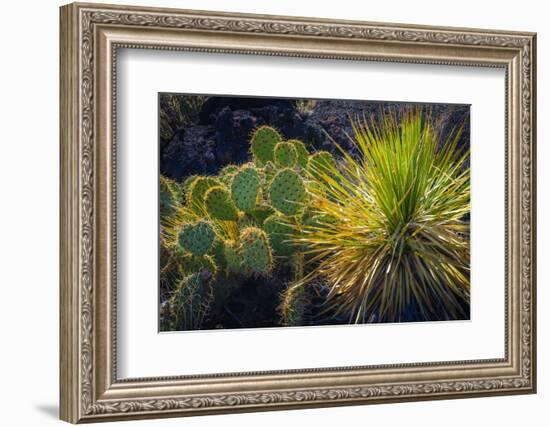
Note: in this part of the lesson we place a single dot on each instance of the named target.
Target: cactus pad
(301, 151)
(229, 169)
(197, 191)
(190, 264)
(268, 172)
(285, 155)
(287, 192)
(168, 197)
(263, 144)
(190, 302)
(293, 306)
(219, 204)
(262, 212)
(321, 163)
(244, 188)
(255, 251)
(232, 257)
(188, 182)
(197, 237)
(227, 174)
(280, 233)
(217, 253)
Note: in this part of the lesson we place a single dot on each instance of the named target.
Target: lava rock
(191, 151)
(224, 124)
(232, 130)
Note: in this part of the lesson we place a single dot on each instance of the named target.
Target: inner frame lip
(340, 370)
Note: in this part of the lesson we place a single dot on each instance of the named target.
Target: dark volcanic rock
(214, 105)
(231, 129)
(224, 125)
(191, 151)
(333, 118)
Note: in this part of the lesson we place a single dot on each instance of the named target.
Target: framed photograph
(267, 212)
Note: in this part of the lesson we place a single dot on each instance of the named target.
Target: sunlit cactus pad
(244, 188)
(285, 155)
(197, 190)
(287, 192)
(219, 204)
(262, 144)
(255, 251)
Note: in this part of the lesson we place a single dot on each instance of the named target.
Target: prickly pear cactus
(168, 197)
(287, 192)
(187, 183)
(219, 204)
(293, 306)
(190, 264)
(280, 233)
(246, 221)
(227, 173)
(268, 172)
(229, 169)
(294, 298)
(255, 251)
(169, 263)
(263, 144)
(217, 254)
(197, 191)
(321, 163)
(232, 256)
(245, 187)
(262, 212)
(190, 303)
(197, 237)
(301, 151)
(285, 155)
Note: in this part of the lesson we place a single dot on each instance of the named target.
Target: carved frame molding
(90, 36)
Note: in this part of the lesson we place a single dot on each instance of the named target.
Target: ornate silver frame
(90, 36)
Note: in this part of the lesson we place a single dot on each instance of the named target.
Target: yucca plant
(392, 235)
